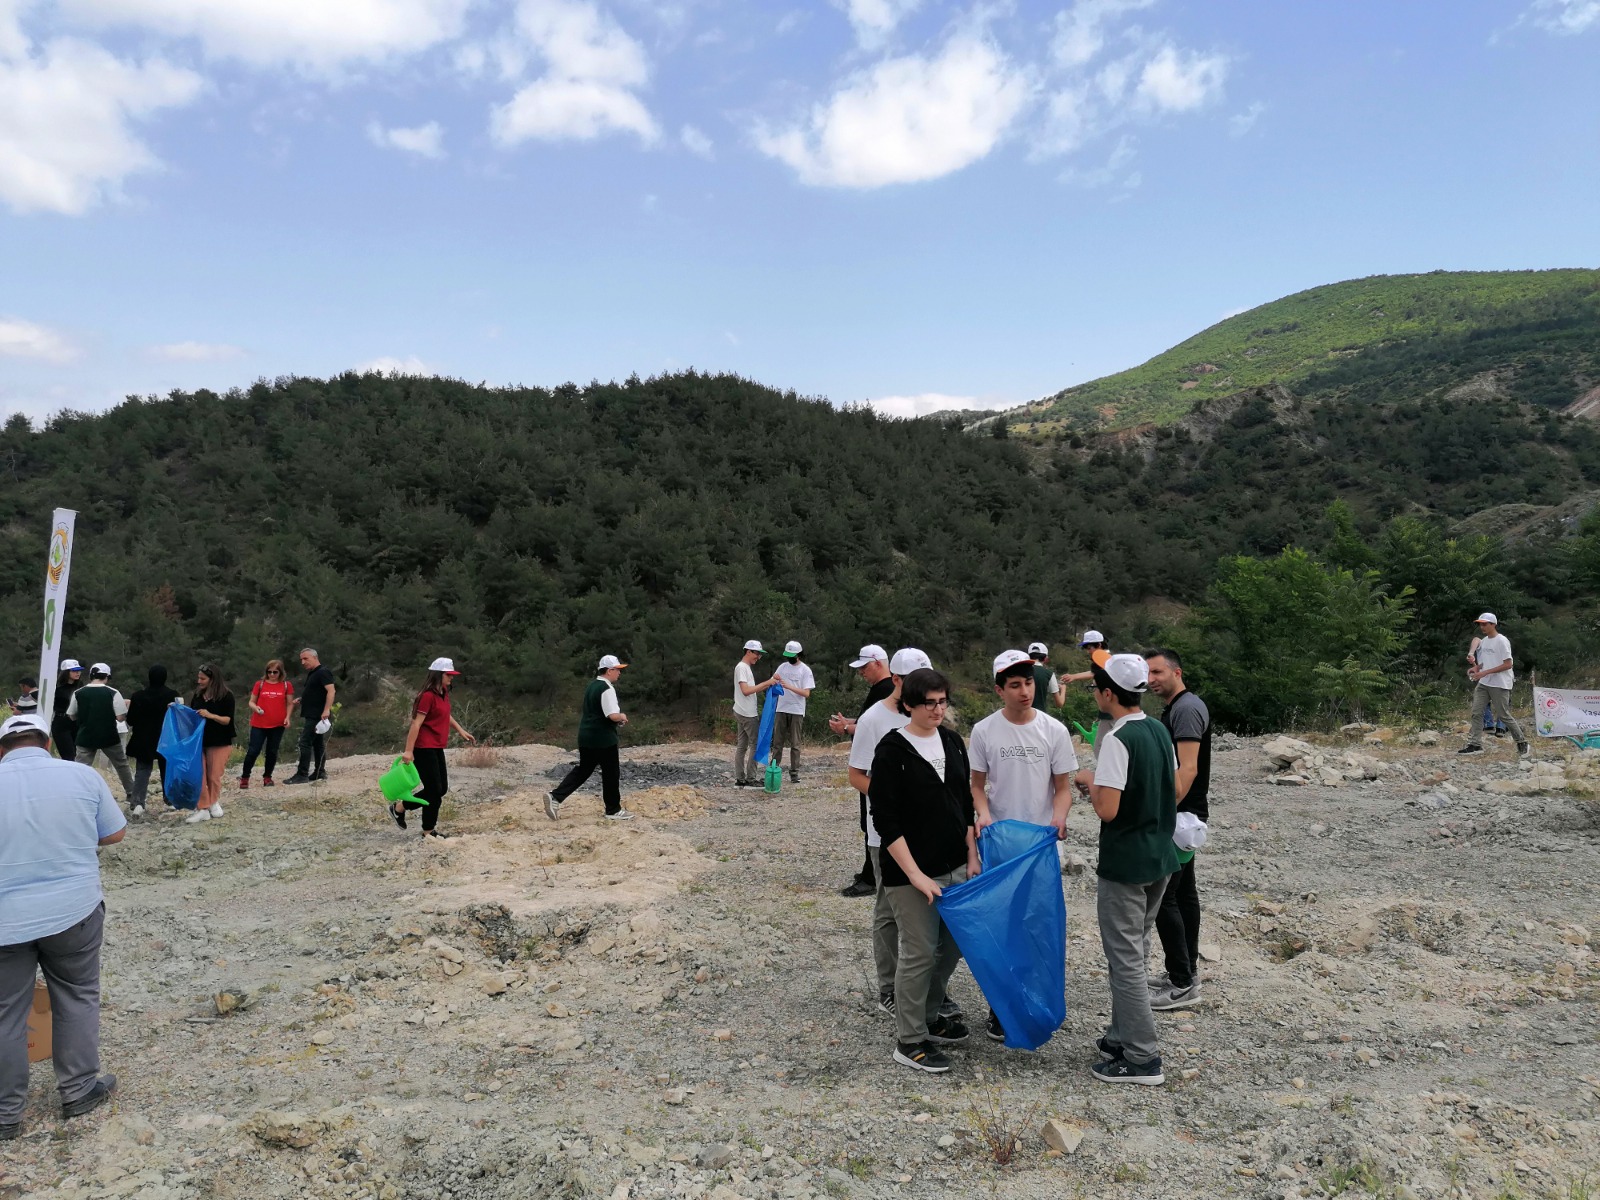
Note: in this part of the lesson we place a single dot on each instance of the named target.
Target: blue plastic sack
(1011, 925)
(181, 731)
(769, 717)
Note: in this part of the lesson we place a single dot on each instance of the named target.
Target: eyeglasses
(941, 702)
(274, 671)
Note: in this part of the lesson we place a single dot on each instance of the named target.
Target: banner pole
(58, 571)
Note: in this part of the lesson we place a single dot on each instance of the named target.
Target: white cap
(71, 664)
(1092, 635)
(752, 644)
(1039, 648)
(610, 662)
(791, 648)
(1007, 659)
(447, 665)
(1489, 618)
(1129, 672)
(24, 723)
(908, 660)
(101, 669)
(869, 654)
(1190, 833)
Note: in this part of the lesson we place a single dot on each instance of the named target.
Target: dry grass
(481, 755)
(998, 1126)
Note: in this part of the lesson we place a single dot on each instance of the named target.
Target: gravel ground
(302, 1001)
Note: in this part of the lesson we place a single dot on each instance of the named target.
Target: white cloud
(1242, 123)
(594, 68)
(195, 352)
(25, 339)
(389, 365)
(924, 403)
(1178, 80)
(426, 141)
(875, 20)
(905, 120)
(1113, 171)
(1080, 32)
(65, 115)
(1566, 16)
(696, 142)
(320, 34)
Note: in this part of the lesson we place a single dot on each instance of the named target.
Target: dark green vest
(1136, 846)
(1041, 686)
(596, 731)
(97, 718)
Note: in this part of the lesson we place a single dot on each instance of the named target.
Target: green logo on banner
(49, 623)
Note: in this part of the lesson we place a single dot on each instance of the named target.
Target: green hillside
(1532, 336)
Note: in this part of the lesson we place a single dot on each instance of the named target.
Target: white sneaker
(621, 814)
(136, 811)
(216, 811)
(198, 815)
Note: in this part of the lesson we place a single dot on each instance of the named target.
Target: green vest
(1136, 847)
(97, 719)
(596, 731)
(1041, 686)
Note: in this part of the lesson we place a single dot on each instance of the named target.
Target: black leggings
(435, 783)
(270, 738)
(64, 733)
(1178, 923)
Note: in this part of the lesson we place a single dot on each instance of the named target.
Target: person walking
(53, 817)
(316, 717)
(1046, 685)
(747, 714)
(271, 700)
(63, 729)
(598, 721)
(96, 708)
(872, 663)
(426, 737)
(1134, 795)
(798, 683)
(213, 701)
(1493, 676)
(147, 710)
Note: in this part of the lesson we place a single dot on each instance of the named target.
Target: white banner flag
(57, 569)
(1559, 713)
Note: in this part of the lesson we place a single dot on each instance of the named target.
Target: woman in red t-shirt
(426, 739)
(270, 702)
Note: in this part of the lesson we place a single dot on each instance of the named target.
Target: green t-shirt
(1136, 845)
(1041, 686)
(596, 731)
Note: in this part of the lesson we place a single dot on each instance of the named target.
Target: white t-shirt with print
(1492, 651)
(1111, 763)
(798, 674)
(930, 746)
(1020, 762)
(743, 705)
(870, 728)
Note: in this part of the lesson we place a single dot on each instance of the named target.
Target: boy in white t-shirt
(1493, 676)
(798, 683)
(1022, 763)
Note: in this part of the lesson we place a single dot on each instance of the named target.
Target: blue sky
(907, 202)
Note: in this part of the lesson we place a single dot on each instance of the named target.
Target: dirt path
(682, 1006)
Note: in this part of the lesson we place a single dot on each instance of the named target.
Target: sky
(909, 203)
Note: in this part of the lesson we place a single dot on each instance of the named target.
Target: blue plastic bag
(1011, 925)
(769, 717)
(181, 731)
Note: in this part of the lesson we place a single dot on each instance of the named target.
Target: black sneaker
(1107, 1048)
(741, 783)
(1120, 1070)
(947, 1031)
(1524, 750)
(922, 1056)
(10, 1132)
(858, 887)
(1470, 750)
(98, 1095)
(993, 1028)
(1496, 732)
(949, 1010)
(319, 777)
(297, 777)
(886, 1002)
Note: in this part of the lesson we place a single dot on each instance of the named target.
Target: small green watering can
(399, 781)
(774, 779)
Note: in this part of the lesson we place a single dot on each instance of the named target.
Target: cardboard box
(39, 1044)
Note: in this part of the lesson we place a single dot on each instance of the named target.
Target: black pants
(269, 738)
(313, 748)
(435, 783)
(610, 774)
(64, 733)
(865, 875)
(1178, 923)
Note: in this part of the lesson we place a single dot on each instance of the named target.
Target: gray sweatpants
(1127, 912)
(119, 763)
(70, 961)
(1498, 700)
(885, 933)
(744, 748)
(928, 956)
(786, 732)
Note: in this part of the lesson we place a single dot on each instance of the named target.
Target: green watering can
(399, 781)
(774, 779)
(1086, 734)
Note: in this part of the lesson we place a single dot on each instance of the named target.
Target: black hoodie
(146, 710)
(910, 801)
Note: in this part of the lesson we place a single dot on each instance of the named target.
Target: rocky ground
(303, 1001)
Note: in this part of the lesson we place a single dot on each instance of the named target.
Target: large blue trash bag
(1011, 925)
(769, 717)
(179, 744)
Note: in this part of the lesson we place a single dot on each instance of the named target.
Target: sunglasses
(274, 671)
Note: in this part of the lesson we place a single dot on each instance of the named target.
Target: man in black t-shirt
(1178, 923)
(316, 711)
(873, 664)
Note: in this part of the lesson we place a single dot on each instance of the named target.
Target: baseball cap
(1007, 659)
(24, 723)
(25, 704)
(908, 660)
(1092, 635)
(869, 654)
(752, 644)
(101, 669)
(790, 649)
(1190, 833)
(71, 664)
(1489, 618)
(611, 661)
(447, 665)
(1129, 672)
(1038, 648)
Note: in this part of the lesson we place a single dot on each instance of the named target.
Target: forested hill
(525, 531)
(1528, 336)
